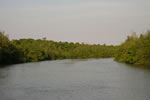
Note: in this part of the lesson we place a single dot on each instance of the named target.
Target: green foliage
(8, 52)
(30, 50)
(37, 50)
(135, 50)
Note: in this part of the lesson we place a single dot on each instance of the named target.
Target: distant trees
(135, 50)
(8, 52)
(30, 50)
(36, 50)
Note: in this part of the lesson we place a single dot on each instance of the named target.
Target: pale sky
(88, 21)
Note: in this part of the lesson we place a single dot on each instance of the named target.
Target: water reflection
(94, 79)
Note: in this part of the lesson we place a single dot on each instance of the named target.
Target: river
(92, 79)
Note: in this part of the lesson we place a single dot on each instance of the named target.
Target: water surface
(93, 79)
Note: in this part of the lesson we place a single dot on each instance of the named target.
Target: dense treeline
(135, 50)
(8, 52)
(30, 50)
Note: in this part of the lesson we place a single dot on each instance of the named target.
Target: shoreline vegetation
(30, 50)
(135, 50)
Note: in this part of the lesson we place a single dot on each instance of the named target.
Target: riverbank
(135, 50)
(30, 50)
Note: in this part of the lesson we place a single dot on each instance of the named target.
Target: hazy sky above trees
(89, 21)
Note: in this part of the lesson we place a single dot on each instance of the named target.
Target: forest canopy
(135, 50)
(30, 50)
